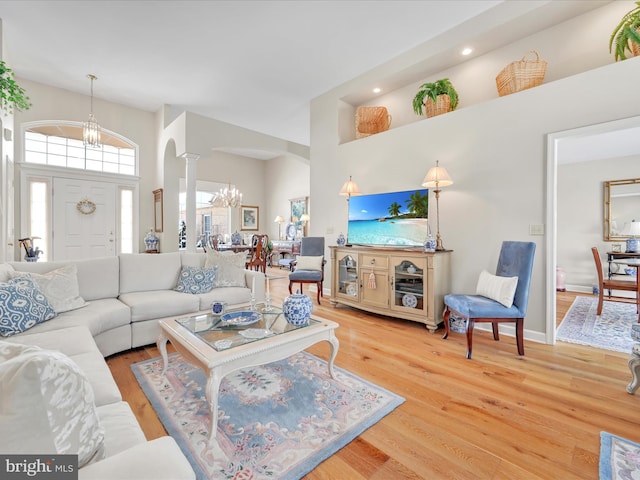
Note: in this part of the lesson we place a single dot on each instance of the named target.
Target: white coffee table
(195, 343)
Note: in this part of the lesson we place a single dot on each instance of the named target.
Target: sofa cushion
(60, 286)
(159, 304)
(121, 429)
(230, 266)
(22, 306)
(145, 272)
(47, 405)
(196, 280)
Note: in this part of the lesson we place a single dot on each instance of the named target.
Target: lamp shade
(304, 217)
(278, 219)
(437, 177)
(350, 188)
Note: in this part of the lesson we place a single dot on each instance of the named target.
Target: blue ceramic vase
(297, 309)
(341, 240)
(151, 241)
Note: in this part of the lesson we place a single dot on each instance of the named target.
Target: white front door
(79, 231)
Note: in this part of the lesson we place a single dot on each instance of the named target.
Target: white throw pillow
(6, 272)
(500, 289)
(59, 286)
(230, 266)
(309, 262)
(47, 405)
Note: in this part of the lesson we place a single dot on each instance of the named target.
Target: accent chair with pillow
(309, 265)
(499, 298)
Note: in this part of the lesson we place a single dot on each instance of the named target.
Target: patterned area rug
(276, 421)
(611, 330)
(619, 458)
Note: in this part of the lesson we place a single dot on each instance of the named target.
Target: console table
(282, 248)
(405, 283)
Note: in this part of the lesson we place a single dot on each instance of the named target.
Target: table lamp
(279, 219)
(437, 177)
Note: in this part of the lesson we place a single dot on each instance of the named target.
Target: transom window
(61, 145)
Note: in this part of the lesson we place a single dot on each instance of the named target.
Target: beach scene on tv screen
(393, 219)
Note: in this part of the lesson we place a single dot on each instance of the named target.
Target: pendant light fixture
(91, 129)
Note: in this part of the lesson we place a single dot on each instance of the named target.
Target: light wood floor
(498, 416)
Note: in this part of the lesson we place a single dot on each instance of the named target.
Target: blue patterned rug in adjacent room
(619, 458)
(611, 330)
(276, 421)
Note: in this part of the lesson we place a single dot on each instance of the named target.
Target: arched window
(60, 144)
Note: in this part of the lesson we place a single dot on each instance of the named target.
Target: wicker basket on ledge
(521, 75)
(371, 120)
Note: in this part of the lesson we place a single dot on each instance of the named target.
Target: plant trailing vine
(625, 34)
(12, 95)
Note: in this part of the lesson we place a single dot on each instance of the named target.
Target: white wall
(495, 151)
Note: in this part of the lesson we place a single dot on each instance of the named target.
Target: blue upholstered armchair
(500, 298)
(309, 265)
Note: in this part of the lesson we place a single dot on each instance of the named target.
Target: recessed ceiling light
(466, 51)
(377, 90)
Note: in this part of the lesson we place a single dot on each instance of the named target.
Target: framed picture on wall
(249, 217)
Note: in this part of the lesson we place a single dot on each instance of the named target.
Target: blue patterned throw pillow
(196, 280)
(22, 306)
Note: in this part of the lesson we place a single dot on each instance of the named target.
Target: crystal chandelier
(227, 197)
(90, 128)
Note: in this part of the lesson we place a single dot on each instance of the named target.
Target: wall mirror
(157, 209)
(299, 207)
(621, 207)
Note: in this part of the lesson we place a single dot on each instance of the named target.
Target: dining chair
(499, 298)
(308, 267)
(610, 284)
(258, 253)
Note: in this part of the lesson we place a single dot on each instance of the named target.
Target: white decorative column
(191, 161)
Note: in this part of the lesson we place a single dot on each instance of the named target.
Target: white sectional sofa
(125, 297)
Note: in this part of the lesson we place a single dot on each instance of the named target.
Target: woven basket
(371, 120)
(442, 105)
(521, 75)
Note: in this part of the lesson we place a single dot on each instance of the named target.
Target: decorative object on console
(31, 254)
(297, 308)
(561, 276)
(626, 35)
(227, 197)
(90, 128)
(437, 98)
(290, 231)
(236, 238)
(279, 219)
(342, 240)
(429, 243)
(437, 177)
(371, 120)
(633, 244)
(151, 241)
(520, 75)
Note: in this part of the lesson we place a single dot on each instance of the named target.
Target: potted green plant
(626, 36)
(437, 98)
(12, 95)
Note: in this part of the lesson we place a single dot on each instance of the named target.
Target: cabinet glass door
(348, 276)
(408, 285)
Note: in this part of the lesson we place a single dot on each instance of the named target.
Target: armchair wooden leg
(445, 318)
(470, 325)
(519, 335)
(496, 331)
(319, 287)
(290, 284)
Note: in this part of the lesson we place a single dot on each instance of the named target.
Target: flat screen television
(392, 219)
